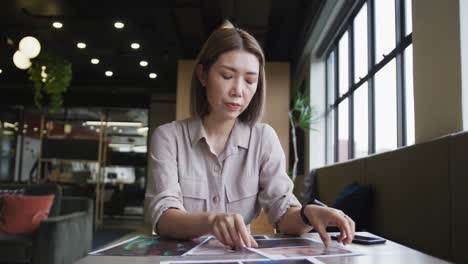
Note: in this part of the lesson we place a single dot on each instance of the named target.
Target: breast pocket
(195, 194)
(242, 199)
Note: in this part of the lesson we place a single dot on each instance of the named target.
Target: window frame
(402, 41)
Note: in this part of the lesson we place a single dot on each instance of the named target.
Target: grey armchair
(63, 238)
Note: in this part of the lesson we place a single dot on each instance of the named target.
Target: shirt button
(215, 199)
(216, 168)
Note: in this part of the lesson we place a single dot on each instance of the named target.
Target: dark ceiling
(167, 31)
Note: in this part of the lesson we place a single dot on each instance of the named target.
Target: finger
(227, 237)
(218, 235)
(253, 243)
(345, 230)
(240, 226)
(224, 234)
(352, 227)
(323, 235)
(238, 243)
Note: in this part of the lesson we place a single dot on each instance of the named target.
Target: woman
(212, 173)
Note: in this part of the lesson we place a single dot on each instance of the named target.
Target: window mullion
(371, 63)
(400, 74)
(350, 84)
(336, 60)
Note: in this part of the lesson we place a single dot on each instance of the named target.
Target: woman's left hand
(320, 217)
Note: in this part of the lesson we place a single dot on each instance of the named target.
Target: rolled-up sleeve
(276, 187)
(163, 189)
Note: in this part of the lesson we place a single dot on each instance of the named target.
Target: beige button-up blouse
(249, 175)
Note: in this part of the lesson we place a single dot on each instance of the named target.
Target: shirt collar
(196, 130)
(240, 134)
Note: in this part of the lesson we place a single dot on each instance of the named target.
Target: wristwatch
(304, 218)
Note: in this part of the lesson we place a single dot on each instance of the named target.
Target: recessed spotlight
(143, 63)
(57, 25)
(119, 25)
(1, 71)
(109, 73)
(94, 61)
(135, 45)
(81, 45)
(153, 75)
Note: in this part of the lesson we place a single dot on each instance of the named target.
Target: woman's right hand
(230, 230)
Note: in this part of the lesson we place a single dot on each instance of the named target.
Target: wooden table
(390, 252)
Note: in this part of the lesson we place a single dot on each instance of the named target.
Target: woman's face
(231, 83)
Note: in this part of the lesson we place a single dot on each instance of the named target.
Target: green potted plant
(51, 76)
(301, 116)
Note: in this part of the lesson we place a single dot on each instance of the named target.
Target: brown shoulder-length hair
(227, 38)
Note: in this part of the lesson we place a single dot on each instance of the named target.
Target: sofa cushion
(15, 248)
(46, 189)
(37, 189)
(356, 201)
(22, 214)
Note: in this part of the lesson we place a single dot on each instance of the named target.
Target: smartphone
(364, 240)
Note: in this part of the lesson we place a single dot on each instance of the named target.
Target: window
(385, 108)
(370, 82)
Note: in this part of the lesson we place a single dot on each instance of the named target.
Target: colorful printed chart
(150, 246)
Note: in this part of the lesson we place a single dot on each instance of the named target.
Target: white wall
(464, 58)
(437, 69)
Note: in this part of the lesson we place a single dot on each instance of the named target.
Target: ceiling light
(94, 61)
(153, 75)
(119, 25)
(21, 60)
(143, 63)
(81, 45)
(135, 46)
(1, 71)
(109, 73)
(120, 130)
(57, 25)
(30, 46)
(111, 123)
